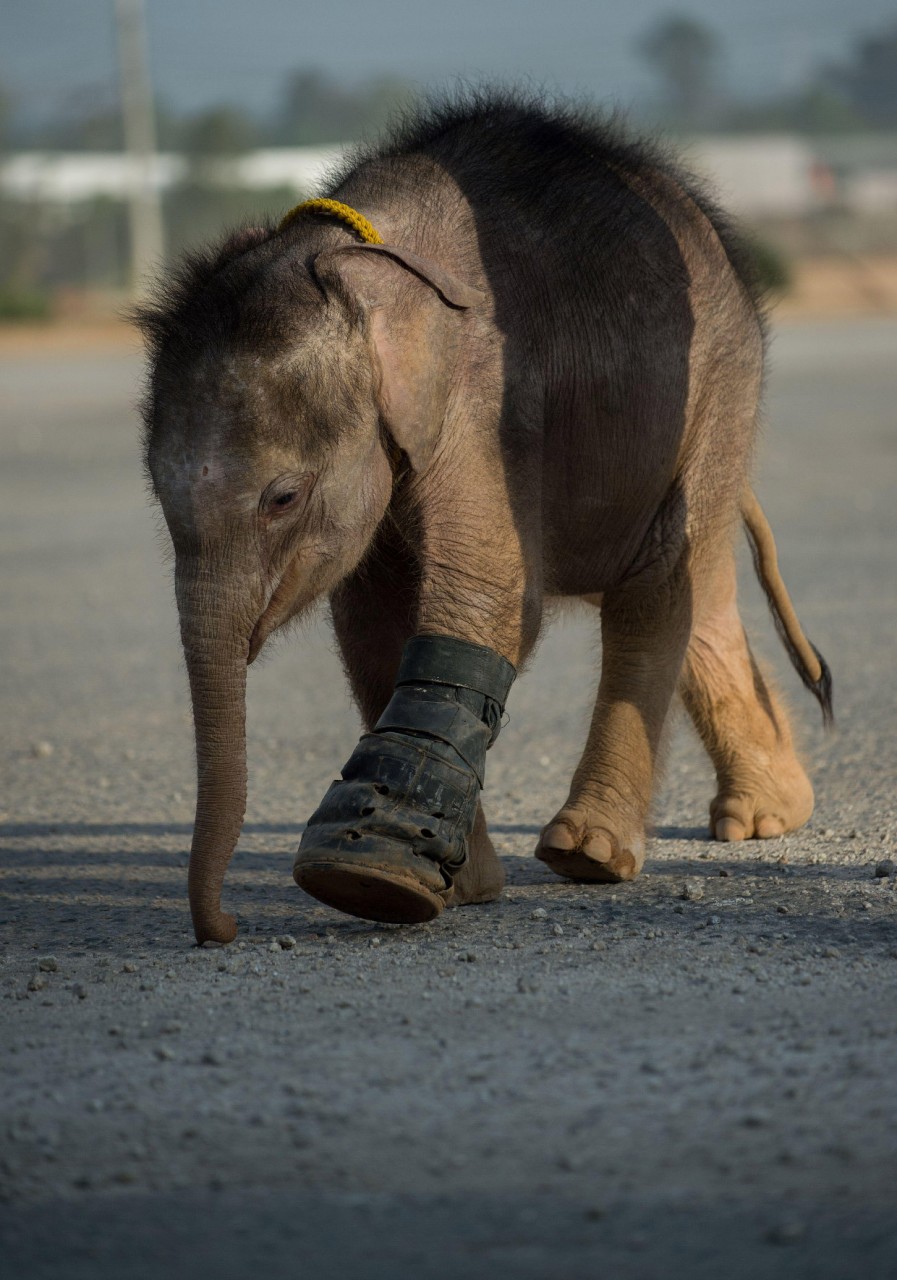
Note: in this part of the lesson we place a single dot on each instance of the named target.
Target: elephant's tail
(806, 659)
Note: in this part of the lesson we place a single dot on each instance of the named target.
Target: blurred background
(676, 1079)
(131, 129)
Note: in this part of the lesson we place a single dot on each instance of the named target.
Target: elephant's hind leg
(599, 834)
(762, 789)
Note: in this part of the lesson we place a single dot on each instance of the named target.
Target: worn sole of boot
(371, 893)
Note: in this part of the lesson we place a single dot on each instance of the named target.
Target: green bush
(771, 267)
(17, 306)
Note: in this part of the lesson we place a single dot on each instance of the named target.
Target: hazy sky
(204, 51)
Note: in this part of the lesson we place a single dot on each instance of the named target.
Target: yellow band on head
(344, 212)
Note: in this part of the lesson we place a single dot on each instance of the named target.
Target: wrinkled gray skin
(556, 396)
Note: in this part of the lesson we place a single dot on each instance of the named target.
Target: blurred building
(69, 177)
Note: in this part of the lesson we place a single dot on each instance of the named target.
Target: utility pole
(145, 208)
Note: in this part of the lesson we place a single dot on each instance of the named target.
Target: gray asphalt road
(569, 1080)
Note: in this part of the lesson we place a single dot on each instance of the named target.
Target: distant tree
(316, 109)
(88, 119)
(818, 109)
(869, 80)
(219, 132)
(685, 54)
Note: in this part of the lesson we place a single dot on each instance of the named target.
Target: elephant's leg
(394, 834)
(762, 788)
(374, 613)
(599, 834)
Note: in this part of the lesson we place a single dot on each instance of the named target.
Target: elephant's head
(284, 384)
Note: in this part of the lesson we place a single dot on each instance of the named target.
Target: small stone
(286, 941)
(48, 964)
(79, 990)
(539, 914)
(830, 953)
(599, 946)
(129, 967)
(754, 1120)
(887, 867)
(37, 983)
(526, 986)
(211, 1059)
(724, 871)
(163, 1053)
(569, 1162)
(692, 890)
(42, 750)
(787, 1232)
(557, 930)
(275, 946)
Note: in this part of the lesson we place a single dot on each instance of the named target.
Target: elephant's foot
(399, 836)
(760, 806)
(482, 877)
(583, 844)
(390, 835)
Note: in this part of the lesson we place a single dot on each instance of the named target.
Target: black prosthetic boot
(390, 834)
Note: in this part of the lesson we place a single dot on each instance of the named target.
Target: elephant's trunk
(215, 653)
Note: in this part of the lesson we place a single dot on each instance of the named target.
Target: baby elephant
(510, 357)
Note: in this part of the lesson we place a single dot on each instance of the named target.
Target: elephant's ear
(415, 338)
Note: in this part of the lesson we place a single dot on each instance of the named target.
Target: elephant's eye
(287, 492)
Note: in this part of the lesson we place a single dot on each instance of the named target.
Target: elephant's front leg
(402, 834)
(599, 834)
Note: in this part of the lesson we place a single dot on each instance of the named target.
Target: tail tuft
(821, 690)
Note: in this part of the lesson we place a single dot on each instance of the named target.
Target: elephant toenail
(598, 847)
(729, 829)
(558, 836)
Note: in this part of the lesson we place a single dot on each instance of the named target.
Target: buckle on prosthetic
(394, 829)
